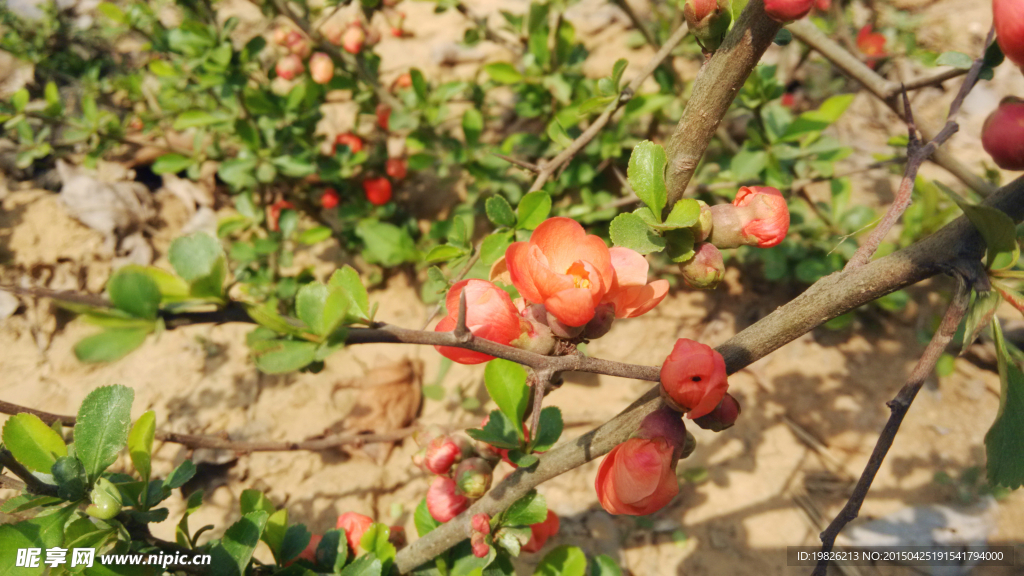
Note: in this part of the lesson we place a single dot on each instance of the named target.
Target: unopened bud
(297, 44)
(702, 229)
(441, 454)
(289, 67)
(353, 38)
(757, 217)
(562, 330)
(321, 68)
(473, 477)
(1003, 134)
(787, 10)
(1008, 18)
(709, 21)
(443, 502)
(535, 335)
(722, 417)
(705, 269)
(604, 317)
(481, 523)
(480, 547)
(664, 423)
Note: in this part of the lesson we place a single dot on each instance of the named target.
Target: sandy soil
(750, 491)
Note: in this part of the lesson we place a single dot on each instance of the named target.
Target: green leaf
(646, 175)
(140, 443)
(680, 244)
(315, 235)
(135, 293)
(998, 229)
(443, 253)
(40, 532)
(321, 307)
(194, 256)
(685, 213)
(162, 69)
(472, 126)
(232, 555)
(365, 565)
(296, 538)
(506, 383)
(196, 118)
(503, 73)
(1003, 447)
(101, 430)
(32, 442)
(69, 474)
(499, 432)
(494, 246)
(817, 120)
(348, 280)
(171, 164)
(954, 59)
(112, 11)
(605, 565)
(384, 243)
(171, 287)
(558, 135)
(332, 551)
(630, 231)
(253, 500)
(23, 502)
(277, 528)
(563, 561)
(424, 522)
(500, 211)
(239, 173)
(375, 541)
(294, 166)
(282, 356)
(110, 345)
(522, 459)
(983, 306)
(550, 429)
(181, 474)
(617, 70)
(533, 209)
(527, 511)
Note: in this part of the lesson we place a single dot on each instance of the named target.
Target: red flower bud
(309, 554)
(722, 417)
(377, 190)
(871, 43)
(705, 269)
(321, 68)
(541, 532)
(638, 477)
(490, 315)
(1008, 16)
(355, 525)
(1003, 134)
(443, 502)
(693, 378)
(757, 217)
(329, 199)
(397, 168)
(354, 143)
(297, 44)
(403, 81)
(274, 213)
(604, 317)
(787, 10)
(479, 543)
(353, 38)
(289, 67)
(481, 523)
(823, 5)
(383, 115)
(473, 477)
(442, 453)
(708, 20)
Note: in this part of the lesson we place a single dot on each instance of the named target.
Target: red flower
(490, 315)
(397, 168)
(403, 81)
(274, 213)
(355, 525)
(1003, 134)
(321, 68)
(289, 67)
(443, 502)
(442, 453)
(352, 39)
(563, 268)
(630, 294)
(481, 523)
(771, 221)
(377, 190)
(383, 115)
(354, 143)
(872, 44)
(637, 477)
(329, 199)
(541, 532)
(1008, 16)
(479, 544)
(787, 10)
(693, 378)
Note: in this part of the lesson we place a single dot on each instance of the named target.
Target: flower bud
(329, 199)
(561, 329)
(541, 532)
(709, 21)
(297, 44)
(702, 229)
(787, 10)
(479, 543)
(1003, 134)
(289, 67)
(536, 337)
(722, 417)
(1008, 17)
(353, 38)
(383, 115)
(443, 501)
(705, 269)
(377, 190)
(332, 31)
(355, 525)
(693, 378)
(280, 36)
(397, 168)
(442, 454)
(481, 523)
(106, 500)
(321, 68)
(638, 477)
(604, 316)
(870, 43)
(757, 217)
(473, 477)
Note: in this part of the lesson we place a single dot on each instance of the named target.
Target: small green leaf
(494, 246)
(162, 68)
(499, 431)
(472, 126)
(296, 538)
(315, 235)
(140, 443)
(252, 500)
(680, 244)
(617, 70)
(110, 345)
(506, 383)
(500, 211)
(112, 11)
(503, 73)
(605, 565)
(282, 356)
(348, 280)
(384, 243)
(375, 542)
(630, 231)
(684, 214)
(1004, 451)
(321, 307)
(181, 474)
(563, 561)
(550, 429)
(443, 253)
(558, 135)
(983, 306)
(171, 164)
(365, 565)
(32, 442)
(40, 532)
(954, 59)
(135, 293)
(101, 430)
(998, 229)
(196, 118)
(332, 551)
(423, 520)
(70, 476)
(522, 459)
(817, 120)
(232, 555)
(527, 511)
(194, 256)
(646, 175)
(274, 533)
(533, 209)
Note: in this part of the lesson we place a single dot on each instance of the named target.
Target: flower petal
(638, 300)
(630, 268)
(559, 239)
(573, 307)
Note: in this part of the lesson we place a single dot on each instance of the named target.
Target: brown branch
(916, 156)
(898, 407)
(717, 84)
(33, 485)
(529, 166)
(548, 169)
(884, 90)
(926, 81)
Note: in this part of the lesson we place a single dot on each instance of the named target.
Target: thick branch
(713, 92)
(898, 407)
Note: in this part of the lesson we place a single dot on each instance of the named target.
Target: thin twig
(32, 484)
(898, 407)
(926, 81)
(547, 169)
(521, 163)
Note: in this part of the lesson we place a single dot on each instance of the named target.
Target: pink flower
(355, 526)
(490, 315)
(443, 502)
(630, 293)
(563, 268)
(1002, 136)
(1008, 16)
(541, 532)
(771, 221)
(693, 378)
(321, 68)
(787, 10)
(637, 477)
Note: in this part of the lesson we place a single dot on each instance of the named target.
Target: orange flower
(355, 525)
(563, 268)
(490, 315)
(630, 293)
(871, 43)
(1008, 16)
(693, 378)
(637, 477)
(541, 532)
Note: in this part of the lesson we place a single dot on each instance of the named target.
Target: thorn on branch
(462, 333)
(521, 163)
